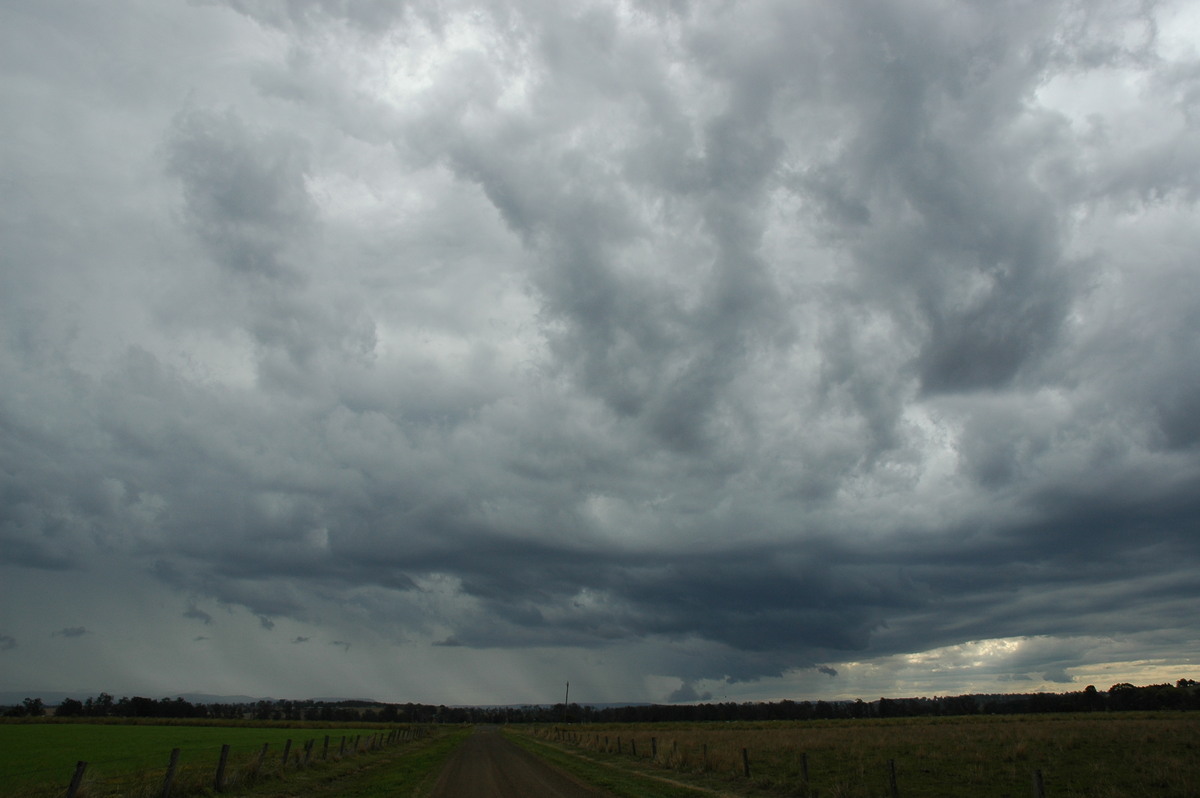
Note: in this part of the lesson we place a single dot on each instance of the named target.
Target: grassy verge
(408, 771)
(624, 780)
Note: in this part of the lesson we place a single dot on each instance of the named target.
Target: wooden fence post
(170, 777)
(1039, 787)
(654, 748)
(262, 756)
(77, 779)
(804, 769)
(287, 747)
(342, 747)
(746, 762)
(704, 762)
(892, 778)
(219, 781)
(633, 748)
(325, 748)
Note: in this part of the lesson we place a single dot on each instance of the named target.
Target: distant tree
(103, 705)
(34, 707)
(69, 708)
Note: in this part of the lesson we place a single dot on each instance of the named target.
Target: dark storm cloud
(7, 643)
(763, 337)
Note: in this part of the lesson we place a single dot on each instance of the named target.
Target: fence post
(77, 779)
(219, 781)
(287, 747)
(262, 756)
(1039, 788)
(804, 769)
(654, 748)
(633, 748)
(892, 778)
(170, 778)
(746, 762)
(325, 749)
(342, 747)
(704, 762)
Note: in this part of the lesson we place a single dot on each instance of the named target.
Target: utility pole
(566, 702)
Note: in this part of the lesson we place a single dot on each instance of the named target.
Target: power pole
(566, 702)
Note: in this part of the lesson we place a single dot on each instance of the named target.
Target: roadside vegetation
(1126, 755)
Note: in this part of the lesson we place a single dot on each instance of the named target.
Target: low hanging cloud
(742, 342)
(70, 631)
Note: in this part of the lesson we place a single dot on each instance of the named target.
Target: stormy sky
(449, 351)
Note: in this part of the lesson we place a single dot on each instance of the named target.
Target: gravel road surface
(487, 765)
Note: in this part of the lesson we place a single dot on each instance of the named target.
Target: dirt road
(489, 766)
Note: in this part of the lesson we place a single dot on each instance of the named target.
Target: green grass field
(38, 759)
(1105, 755)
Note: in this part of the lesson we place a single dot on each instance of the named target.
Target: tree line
(1183, 695)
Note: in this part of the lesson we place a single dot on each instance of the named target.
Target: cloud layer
(713, 344)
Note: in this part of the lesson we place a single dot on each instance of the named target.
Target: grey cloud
(198, 614)
(1059, 676)
(373, 16)
(687, 692)
(244, 192)
(70, 631)
(7, 642)
(760, 338)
